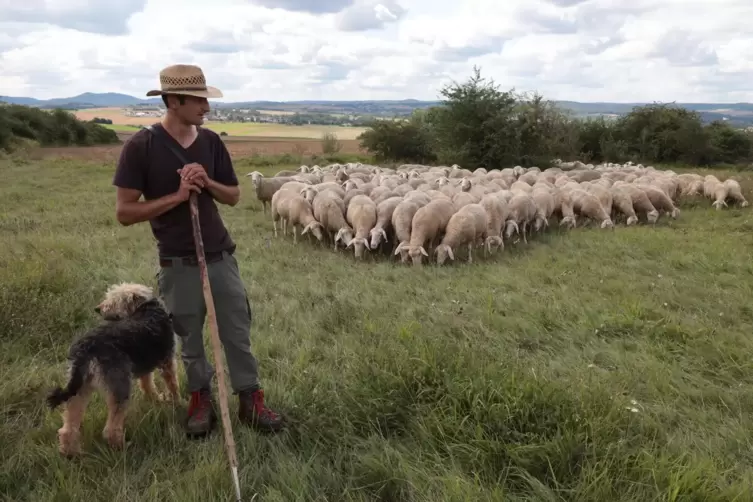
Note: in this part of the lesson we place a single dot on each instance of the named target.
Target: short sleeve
(223, 165)
(131, 169)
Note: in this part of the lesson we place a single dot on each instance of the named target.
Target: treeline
(325, 119)
(479, 125)
(48, 128)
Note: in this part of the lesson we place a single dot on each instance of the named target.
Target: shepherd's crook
(216, 346)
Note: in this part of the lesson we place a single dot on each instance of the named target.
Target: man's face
(192, 110)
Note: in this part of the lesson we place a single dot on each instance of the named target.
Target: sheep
(428, 224)
(384, 220)
(329, 210)
(266, 187)
(735, 192)
(362, 215)
(496, 212)
(522, 214)
(402, 218)
(466, 227)
(301, 213)
(588, 205)
(410, 207)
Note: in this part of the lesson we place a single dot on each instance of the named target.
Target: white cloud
(586, 50)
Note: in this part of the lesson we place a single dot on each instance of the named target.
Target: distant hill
(740, 114)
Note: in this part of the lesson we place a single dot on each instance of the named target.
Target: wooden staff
(216, 346)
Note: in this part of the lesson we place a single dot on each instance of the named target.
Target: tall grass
(588, 366)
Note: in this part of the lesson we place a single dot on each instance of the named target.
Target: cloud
(590, 50)
(95, 16)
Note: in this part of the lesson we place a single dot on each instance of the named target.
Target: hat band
(185, 88)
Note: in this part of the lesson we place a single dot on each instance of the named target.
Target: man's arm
(224, 187)
(224, 194)
(130, 210)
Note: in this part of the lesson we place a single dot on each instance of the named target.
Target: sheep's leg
(274, 224)
(525, 230)
(470, 252)
(295, 233)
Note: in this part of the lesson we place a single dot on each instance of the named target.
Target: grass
(511, 379)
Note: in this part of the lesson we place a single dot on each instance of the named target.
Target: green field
(591, 365)
(266, 130)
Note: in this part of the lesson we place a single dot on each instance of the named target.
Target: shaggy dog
(135, 339)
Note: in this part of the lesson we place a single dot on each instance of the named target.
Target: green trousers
(180, 286)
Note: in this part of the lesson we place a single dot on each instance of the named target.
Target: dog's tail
(78, 375)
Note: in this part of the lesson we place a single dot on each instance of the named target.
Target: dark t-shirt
(148, 165)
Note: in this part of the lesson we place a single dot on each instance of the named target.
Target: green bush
(49, 128)
(479, 125)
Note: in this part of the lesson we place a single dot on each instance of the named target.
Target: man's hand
(195, 173)
(185, 189)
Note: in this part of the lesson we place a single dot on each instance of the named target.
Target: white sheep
(428, 224)
(362, 216)
(466, 227)
(384, 220)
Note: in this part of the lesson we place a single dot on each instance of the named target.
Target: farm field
(124, 123)
(590, 365)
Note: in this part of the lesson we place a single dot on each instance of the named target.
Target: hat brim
(210, 92)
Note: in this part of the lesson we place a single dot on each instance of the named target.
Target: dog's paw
(115, 438)
(69, 443)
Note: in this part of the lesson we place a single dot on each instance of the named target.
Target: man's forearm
(224, 194)
(129, 213)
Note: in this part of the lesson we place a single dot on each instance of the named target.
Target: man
(148, 167)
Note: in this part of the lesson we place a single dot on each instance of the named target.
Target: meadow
(125, 123)
(590, 365)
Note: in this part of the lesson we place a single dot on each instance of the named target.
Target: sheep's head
(494, 242)
(442, 181)
(256, 177)
(607, 223)
(349, 185)
(377, 234)
(416, 253)
(359, 244)
(443, 251)
(652, 216)
(303, 169)
(344, 235)
(309, 193)
(511, 226)
(402, 175)
(540, 223)
(465, 185)
(315, 228)
(632, 220)
(568, 221)
(675, 213)
(719, 203)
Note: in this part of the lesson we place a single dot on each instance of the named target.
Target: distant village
(251, 115)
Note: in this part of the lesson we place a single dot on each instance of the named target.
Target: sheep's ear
(399, 248)
(384, 234)
(423, 251)
(450, 253)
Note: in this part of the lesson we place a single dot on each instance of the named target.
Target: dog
(135, 339)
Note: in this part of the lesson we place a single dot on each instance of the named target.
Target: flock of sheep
(416, 210)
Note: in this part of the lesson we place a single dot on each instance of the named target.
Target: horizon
(586, 51)
(225, 101)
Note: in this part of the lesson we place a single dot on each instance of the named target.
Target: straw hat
(184, 79)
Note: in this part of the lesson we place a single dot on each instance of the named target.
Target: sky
(284, 50)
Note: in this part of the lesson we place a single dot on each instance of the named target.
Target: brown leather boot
(252, 411)
(202, 416)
